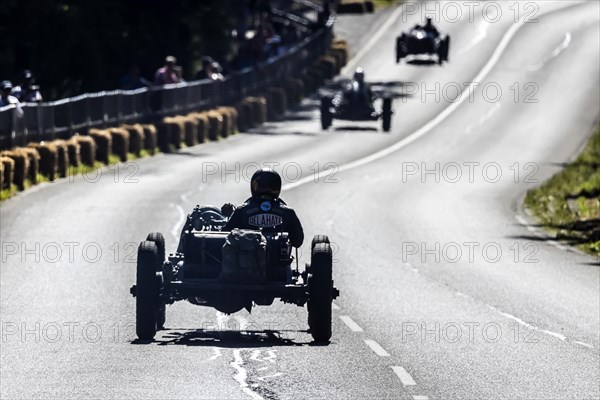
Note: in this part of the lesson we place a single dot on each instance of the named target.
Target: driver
(265, 209)
(361, 91)
(429, 28)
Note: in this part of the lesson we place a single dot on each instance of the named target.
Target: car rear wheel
(147, 305)
(400, 49)
(318, 239)
(387, 114)
(326, 118)
(159, 239)
(320, 285)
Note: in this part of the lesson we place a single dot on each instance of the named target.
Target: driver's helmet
(265, 182)
(428, 22)
(359, 75)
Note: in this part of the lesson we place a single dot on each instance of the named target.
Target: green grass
(568, 204)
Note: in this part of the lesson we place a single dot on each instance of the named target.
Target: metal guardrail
(63, 118)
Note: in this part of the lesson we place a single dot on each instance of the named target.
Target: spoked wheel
(320, 286)
(159, 239)
(326, 118)
(387, 114)
(147, 295)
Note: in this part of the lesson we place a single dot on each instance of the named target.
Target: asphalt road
(448, 289)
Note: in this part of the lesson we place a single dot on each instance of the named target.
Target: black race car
(194, 273)
(349, 101)
(423, 40)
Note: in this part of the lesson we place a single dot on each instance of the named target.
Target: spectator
(168, 73)
(216, 72)
(6, 98)
(205, 71)
(27, 92)
(133, 80)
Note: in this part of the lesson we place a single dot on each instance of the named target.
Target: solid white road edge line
(435, 121)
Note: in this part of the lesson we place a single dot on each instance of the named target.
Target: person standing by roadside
(168, 73)
(28, 92)
(6, 98)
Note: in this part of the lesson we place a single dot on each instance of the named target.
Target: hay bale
(233, 118)
(8, 171)
(176, 131)
(215, 124)
(103, 140)
(191, 130)
(330, 65)
(136, 138)
(340, 42)
(354, 7)
(259, 109)
(294, 91)
(150, 138)
(201, 126)
(342, 49)
(74, 151)
(163, 131)
(48, 158)
(19, 167)
(87, 148)
(62, 157)
(120, 142)
(246, 115)
(34, 164)
(276, 101)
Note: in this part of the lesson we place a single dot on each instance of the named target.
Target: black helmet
(429, 21)
(265, 182)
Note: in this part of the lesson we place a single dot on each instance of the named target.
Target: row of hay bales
(355, 7)
(54, 158)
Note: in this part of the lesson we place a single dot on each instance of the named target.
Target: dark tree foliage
(77, 46)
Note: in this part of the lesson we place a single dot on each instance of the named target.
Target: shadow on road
(231, 338)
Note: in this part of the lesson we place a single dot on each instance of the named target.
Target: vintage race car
(419, 41)
(193, 273)
(346, 100)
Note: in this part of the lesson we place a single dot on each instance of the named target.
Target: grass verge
(568, 204)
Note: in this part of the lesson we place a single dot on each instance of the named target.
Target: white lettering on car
(265, 220)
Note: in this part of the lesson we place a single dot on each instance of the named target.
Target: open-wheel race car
(423, 40)
(348, 100)
(204, 272)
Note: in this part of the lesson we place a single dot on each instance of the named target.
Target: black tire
(159, 239)
(398, 49)
(147, 291)
(318, 239)
(387, 114)
(444, 50)
(326, 118)
(320, 287)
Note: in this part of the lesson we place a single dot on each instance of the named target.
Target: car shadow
(230, 338)
(422, 62)
(355, 128)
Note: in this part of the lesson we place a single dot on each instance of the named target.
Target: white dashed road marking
(420, 398)
(404, 376)
(354, 327)
(380, 351)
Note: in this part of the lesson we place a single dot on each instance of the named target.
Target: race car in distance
(196, 273)
(423, 39)
(354, 100)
